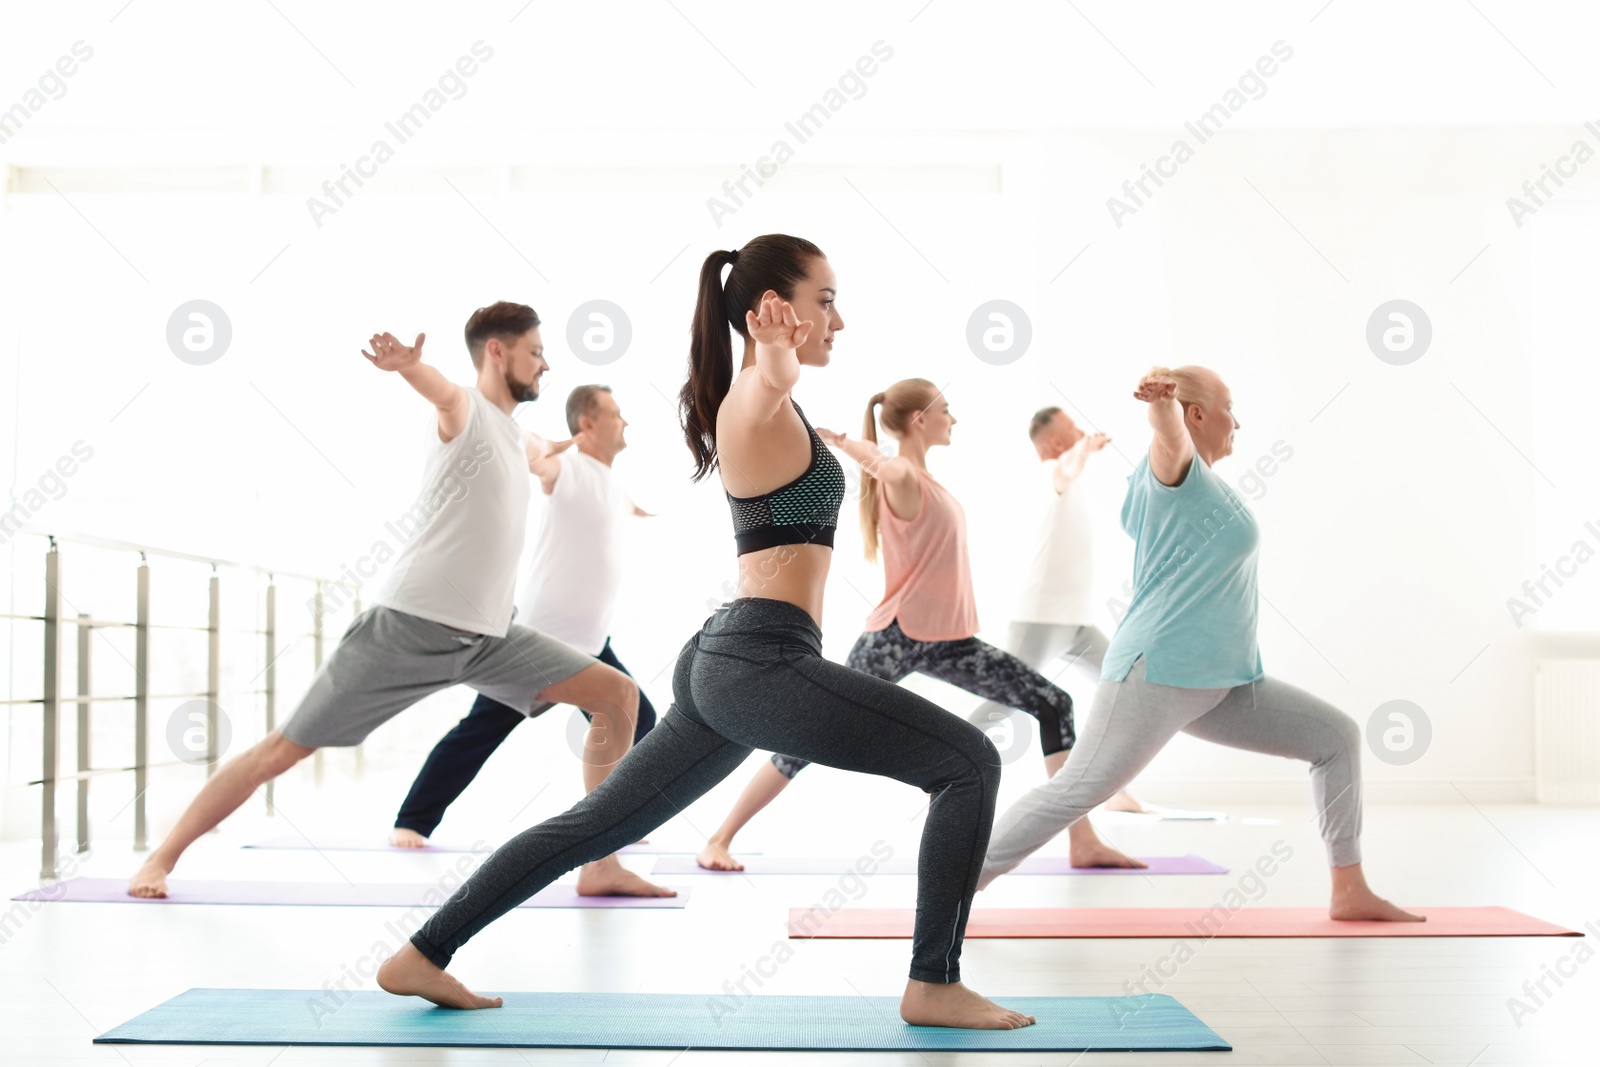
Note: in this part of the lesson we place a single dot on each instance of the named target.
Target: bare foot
(609, 878)
(1365, 904)
(150, 880)
(1126, 802)
(715, 857)
(400, 837)
(928, 1004)
(408, 973)
(1100, 854)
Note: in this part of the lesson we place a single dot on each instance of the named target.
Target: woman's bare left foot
(930, 1004)
(1100, 854)
(1367, 905)
(716, 857)
(1126, 802)
(400, 837)
(609, 878)
(408, 973)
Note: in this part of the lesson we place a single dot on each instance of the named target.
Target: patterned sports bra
(805, 511)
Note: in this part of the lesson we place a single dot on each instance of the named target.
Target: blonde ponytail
(901, 402)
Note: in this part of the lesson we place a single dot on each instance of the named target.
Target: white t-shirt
(574, 567)
(462, 538)
(1060, 586)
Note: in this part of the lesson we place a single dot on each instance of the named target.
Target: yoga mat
(1180, 922)
(378, 844)
(319, 894)
(681, 864)
(653, 1020)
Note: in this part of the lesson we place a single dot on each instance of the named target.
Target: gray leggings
(754, 677)
(1133, 719)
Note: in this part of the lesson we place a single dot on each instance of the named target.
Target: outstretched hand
(543, 447)
(389, 354)
(830, 437)
(1154, 387)
(776, 324)
(1094, 442)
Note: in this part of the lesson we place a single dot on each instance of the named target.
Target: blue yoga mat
(653, 1020)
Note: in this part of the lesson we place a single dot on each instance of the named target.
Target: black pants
(754, 677)
(460, 754)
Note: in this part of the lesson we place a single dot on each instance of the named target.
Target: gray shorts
(388, 660)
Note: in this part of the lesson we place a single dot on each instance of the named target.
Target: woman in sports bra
(927, 620)
(753, 677)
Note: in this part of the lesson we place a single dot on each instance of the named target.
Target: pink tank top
(927, 579)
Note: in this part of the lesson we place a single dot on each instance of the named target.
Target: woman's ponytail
(869, 484)
(772, 261)
(710, 365)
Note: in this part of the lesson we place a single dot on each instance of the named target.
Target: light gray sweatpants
(1134, 719)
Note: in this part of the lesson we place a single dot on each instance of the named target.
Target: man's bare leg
(612, 700)
(762, 790)
(1353, 899)
(233, 784)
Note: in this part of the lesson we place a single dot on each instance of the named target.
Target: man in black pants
(573, 574)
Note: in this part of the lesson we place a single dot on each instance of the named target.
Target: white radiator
(1566, 739)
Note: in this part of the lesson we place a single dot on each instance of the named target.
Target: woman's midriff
(793, 573)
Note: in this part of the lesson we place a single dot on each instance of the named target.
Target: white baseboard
(1209, 792)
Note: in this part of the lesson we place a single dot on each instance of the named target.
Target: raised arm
(446, 396)
(778, 332)
(1069, 465)
(901, 485)
(543, 461)
(1172, 449)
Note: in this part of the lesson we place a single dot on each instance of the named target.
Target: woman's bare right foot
(715, 857)
(929, 1004)
(400, 837)
(1367, 905)
(150, 880)
(408, 973)
(1353, 900)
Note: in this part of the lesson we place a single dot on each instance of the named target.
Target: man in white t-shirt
(572, 576)
(1054, 618)
(443, 616)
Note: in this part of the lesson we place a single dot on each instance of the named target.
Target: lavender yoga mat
(318, 894)
(378, 844)
(1035, 865)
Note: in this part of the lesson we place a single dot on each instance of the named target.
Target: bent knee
(987, 759)
(277, 753)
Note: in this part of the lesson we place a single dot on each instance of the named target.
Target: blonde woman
(927, 620)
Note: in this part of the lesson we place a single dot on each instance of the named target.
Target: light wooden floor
(70, 971)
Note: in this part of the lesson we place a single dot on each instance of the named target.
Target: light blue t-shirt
(1193, 614)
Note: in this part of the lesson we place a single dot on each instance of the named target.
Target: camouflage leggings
(976, 666)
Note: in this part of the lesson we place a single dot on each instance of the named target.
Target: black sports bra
(805, 511)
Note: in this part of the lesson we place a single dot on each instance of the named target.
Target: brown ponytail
(902, 402)
(773, 261)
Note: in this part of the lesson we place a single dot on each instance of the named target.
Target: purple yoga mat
(320, 894)
(378, 844)
(1036, 865)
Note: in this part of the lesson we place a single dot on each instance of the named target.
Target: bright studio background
(973, 163)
